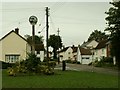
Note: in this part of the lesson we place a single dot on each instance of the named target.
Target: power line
(53, 25)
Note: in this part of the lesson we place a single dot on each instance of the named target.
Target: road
(78, 67)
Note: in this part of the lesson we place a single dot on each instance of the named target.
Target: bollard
(63, 65)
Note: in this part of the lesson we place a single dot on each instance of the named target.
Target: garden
(31, 73)
(61, 79)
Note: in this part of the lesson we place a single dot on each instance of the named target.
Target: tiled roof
(12, 32)
(74, 49)
(102, 44)
(39, 47)
(84, 51)
(63, 50)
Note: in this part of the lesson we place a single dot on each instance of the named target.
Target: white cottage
(102, 50)
(68, 53)
(84, 56)
(13, 47)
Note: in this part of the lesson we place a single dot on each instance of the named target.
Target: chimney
(17, 30)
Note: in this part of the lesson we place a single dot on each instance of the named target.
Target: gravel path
(79, 67)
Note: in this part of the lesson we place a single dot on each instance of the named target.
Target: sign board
(33, 20)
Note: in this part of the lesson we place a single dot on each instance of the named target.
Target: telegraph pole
(47, 27)
(58, 45)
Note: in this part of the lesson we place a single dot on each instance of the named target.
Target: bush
(32, 65)
(46, 70)
(90, 64)
(68, 61)
(107, 60)
(73, 62)
(104, 62)
(78, 62)
(6, 65)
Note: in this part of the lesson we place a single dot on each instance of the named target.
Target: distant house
(91, 44)
(84, 56)
(68, 53)
(39, 51)
(102, 50)
(13, 47)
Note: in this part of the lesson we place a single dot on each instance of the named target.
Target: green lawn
(61, 79)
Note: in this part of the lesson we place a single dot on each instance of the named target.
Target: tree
(38, 39)
(97, 36)
(55, 42)
(113, 21)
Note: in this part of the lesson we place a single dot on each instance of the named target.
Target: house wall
(86, 59)
(67, 55)
(41, 55)
(74, 56)
(13, 44)
(79, 55)
(83, 59)
(61, 58)
(99, 53)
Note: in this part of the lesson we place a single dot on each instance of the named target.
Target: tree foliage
(113, 21)
(38, 39)
(55, 42)
(97, 36)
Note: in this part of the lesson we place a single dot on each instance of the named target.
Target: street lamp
(33, 21)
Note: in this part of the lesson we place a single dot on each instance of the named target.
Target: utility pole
(47, 27)
(58, 45)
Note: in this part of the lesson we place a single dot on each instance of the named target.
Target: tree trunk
(55, 53)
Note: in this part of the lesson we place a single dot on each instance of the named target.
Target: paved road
(79, 67)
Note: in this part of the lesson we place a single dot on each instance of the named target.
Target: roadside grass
(61, 79)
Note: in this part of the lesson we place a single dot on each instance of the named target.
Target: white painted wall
(79, 55)
(67, 54)
(86, 60)
(83, 58)
(99, 53)
(41, 55)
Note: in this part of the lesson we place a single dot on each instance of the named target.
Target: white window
(12, 58)
(102, 51)
(85, 58)
(96, 52)
(68, 52)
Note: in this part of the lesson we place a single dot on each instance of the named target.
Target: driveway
(78, 67)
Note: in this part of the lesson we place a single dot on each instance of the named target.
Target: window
(11, 58)
(96, 52)
(38, 52)
(68, 52)
(69, 58)
(102, 51)
(85, 57)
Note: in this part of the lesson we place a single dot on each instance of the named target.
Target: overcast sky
(76, 20)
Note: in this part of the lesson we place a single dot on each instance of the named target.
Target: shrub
(73, 62)
(78, 62)
(6, 65)
(68, 61)
(90, 64)
(104, 62)
(32, 65)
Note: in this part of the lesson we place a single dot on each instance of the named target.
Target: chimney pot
(17, 30)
